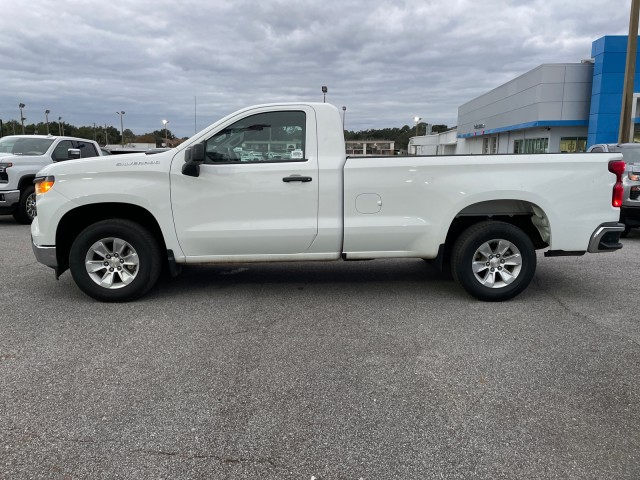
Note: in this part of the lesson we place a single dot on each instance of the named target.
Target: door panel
(240, 205)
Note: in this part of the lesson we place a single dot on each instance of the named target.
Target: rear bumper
(606, 238)
(45, 255)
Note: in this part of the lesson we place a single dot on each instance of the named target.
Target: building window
(517, 146)
(531, 145)
(573, 144)
(490, 145)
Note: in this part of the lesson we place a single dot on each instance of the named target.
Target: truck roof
(50, 137)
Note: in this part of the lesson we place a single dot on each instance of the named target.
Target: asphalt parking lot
(372, 370)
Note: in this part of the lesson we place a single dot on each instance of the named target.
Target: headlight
(43, 184)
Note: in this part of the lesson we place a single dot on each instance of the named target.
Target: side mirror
(74, 154)
(197, 153)
(193, 158)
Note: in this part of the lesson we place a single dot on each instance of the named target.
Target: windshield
(25, 146)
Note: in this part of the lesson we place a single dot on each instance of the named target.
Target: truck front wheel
(493, 261)
(115, 260)
(26, 209)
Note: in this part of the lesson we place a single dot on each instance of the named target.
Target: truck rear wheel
(115, 260)
(493, 261)
(26, 208)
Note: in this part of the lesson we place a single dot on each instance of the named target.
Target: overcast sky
(385, 61)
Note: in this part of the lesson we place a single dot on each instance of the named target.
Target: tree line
(400, 136)
(103, 134)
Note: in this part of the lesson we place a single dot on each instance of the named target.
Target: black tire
(510, 270)
(140, 256)
(26, 209)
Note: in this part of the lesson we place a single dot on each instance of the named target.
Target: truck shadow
(404, 274)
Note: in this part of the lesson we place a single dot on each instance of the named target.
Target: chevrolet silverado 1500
(21, 156)
(115, 221)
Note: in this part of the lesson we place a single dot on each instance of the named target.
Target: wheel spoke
(513, 260)
(101, 249)
(95, 266)
(479, 267)
(125, 276)
(131, 260)
(503, 246)
(107, 279)
(485, 249)
(119, 246)
(507, 277)
(490, 279)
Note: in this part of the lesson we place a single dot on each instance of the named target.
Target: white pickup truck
(114, 222)
(22, 156)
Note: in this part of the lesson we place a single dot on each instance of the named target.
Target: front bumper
(45, 255)
(606, 238)
(8, 198)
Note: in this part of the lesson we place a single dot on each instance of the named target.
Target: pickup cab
(21, 156)
(114, 222)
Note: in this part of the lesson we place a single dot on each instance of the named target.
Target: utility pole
(22, 118)
(46, 118)
(624, 135)
(121, 113)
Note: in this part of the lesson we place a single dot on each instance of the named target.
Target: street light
(324, 93)
(417, 120)
(166, 139)
(60, 126)
(344, 112)
(22, 119)
(46, 118)
(121, 113)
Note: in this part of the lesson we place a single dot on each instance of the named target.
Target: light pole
(324, 93)
(344, 112)
(60, 126)
(121, 113)
(46, 118)
(166, 139)
(22, 119)
(417, 120)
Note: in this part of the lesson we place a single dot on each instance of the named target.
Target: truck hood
(110, 163)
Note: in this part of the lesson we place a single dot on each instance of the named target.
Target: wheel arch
(25, 181)
(526, 215)
(76, 220)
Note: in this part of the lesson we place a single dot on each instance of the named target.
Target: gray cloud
(386, 61)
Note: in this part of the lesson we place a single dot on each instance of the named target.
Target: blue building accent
(609, 54)
(522, 126)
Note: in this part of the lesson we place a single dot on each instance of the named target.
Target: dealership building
(553, 108)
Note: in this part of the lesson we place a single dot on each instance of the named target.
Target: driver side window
(61, 152)
(264, 137)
